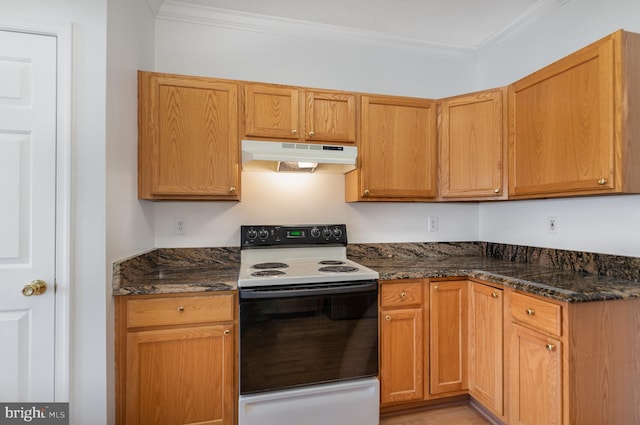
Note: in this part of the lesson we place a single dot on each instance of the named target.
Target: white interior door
(27, 215)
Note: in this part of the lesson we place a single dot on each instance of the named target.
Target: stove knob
(252, 234)
(337, 232)
(263, 234)
(326, 232)
(315, 232)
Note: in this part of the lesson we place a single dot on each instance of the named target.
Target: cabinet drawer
(179, 310)
(401, 294)
(537, 313)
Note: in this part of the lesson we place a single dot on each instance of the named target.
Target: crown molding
(155, 6)
(204, 15)
(176, 10)
(530, 16)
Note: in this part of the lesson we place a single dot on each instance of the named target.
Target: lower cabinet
(536, 378)
(448, 312)
(402, 342)
(486, 347)
(176, 359)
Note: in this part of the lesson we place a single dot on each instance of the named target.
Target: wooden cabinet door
(398, 148)
(271, 111)
(330, 116)
(473, 146)
(535, 374)
(448, 336)
(486, 383)
(562, 126)
(188, 138)
(180, 376)
(401, 355)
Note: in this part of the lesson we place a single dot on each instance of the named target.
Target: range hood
(306, 157)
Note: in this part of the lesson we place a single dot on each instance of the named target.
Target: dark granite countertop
(166, 271)
(182, 279)
(548, 282)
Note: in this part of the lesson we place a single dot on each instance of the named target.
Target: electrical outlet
(179, 225)
(553, 225)
(433, 224)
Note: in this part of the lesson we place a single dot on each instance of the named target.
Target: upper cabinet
(291, 113)
(571, 124)
(472, 146)
(188, 147)
(397, 151)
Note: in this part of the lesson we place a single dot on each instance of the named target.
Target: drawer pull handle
(494, 294)
(435, 288)
(403, 295)
(530, 312)
(180, 309)
(602, 182)
(227, 332)
(387, 318)
(550, 347)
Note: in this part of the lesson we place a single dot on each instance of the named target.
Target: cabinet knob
(366, 192)
(435, 288)
(294, 131)
(311, 134)
(387, 318)
(403, 295)
(530, 312)
(227, 332)
(180, 309)
(494, 294)
(602, 182)
(496, 190)
(232, 189)
(550, 347)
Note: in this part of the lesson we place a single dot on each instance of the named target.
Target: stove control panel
(318, 234)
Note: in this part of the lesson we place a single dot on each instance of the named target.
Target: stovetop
(302, 254)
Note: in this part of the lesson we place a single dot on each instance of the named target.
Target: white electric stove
(308, 329)
(286, 255)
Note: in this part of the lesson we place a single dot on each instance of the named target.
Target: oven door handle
(301, 292)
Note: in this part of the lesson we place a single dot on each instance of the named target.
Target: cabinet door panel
(331, 117)
(180, 376)
(188, 138)
(272, 111)
(448, 336)
(486, 346)
(472, 146)
(536, 378)
(562, 123)
(398, 148)
(401, 357)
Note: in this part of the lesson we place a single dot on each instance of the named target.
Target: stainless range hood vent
(305, 157)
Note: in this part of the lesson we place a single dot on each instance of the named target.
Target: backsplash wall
(298, 198)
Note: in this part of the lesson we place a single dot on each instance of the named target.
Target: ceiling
(463, 25)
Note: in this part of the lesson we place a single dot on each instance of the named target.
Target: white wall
(129, 223)
(288, 198)
(185, 48)
(188, 48)
(608, 225)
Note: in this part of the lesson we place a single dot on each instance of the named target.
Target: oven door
(292, 336)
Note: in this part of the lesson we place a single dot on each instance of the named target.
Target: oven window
(293, 341)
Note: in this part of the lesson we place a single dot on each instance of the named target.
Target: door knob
(36, 287)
